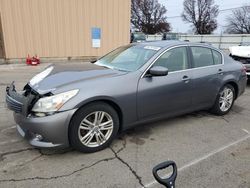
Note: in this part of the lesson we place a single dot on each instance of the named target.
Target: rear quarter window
(217, 57)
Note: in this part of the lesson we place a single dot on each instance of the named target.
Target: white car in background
(242, 53)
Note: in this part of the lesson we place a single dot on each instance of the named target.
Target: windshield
(140, 36)
(128, 58)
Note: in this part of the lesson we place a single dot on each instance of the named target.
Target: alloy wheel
(226, 99)
(95, 129)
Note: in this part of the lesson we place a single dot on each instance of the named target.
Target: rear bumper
(242, 85)
(50, 131)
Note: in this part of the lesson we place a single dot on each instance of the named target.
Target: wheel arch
(107, 100)
(235, 86)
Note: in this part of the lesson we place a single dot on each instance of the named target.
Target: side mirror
(158, 71)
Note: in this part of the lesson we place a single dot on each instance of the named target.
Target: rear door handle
(220, 71)
(185, 79)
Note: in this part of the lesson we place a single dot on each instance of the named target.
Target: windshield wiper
(119, 69)
(113, 68)
(101, 65)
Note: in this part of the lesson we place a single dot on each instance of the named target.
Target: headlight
(53, 103)
(39, 77)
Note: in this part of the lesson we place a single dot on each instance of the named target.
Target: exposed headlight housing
(53, 103)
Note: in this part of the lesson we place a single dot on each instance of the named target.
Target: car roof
(169, 43)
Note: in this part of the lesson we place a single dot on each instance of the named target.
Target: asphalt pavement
(210, 151)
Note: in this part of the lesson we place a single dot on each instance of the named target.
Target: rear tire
(93, 127)
(224, 100)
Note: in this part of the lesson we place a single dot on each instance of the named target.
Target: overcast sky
(175, 8)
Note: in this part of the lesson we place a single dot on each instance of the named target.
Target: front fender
(97, 98)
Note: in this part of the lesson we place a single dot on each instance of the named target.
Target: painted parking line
(8, 128)
(246, 131)
(198, 160)
(8, 142)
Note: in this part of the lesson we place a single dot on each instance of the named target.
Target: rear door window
(202, 56)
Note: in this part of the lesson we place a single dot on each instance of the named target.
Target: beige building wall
(62, 28)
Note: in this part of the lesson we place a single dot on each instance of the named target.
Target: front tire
(93, 127)
(224, 100)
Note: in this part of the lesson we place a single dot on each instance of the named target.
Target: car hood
(240, 51)
(57, 76)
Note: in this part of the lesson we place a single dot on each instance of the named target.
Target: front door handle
(185, 79)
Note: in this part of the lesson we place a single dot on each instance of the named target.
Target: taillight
(244, 69)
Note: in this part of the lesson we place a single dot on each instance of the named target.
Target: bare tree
(202, 14)
(239, 21)
(149, 16)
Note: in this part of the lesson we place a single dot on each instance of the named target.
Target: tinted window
(202, 56)
(217, 57)
(174, 59)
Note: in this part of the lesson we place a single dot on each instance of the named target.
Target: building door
(2, 52)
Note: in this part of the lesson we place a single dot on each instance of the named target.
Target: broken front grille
(19, 103)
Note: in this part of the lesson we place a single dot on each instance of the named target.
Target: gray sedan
(85, 106)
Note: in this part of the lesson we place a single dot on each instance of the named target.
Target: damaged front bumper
(48, 131)
(17, 102)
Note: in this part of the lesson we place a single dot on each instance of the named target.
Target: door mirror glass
(158, 71)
